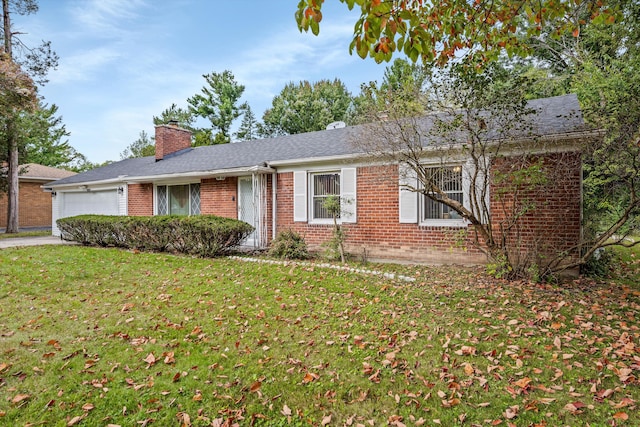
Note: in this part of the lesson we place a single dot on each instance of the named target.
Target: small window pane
(195, 199)
(323, 186)
(179, 200)
(162, 200)
(449, 180)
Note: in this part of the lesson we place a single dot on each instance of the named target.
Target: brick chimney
(171, 138)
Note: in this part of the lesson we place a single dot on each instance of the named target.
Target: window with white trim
(178, 199)
(453, 179)
(449, 180)
(312, 188)
(323, 185)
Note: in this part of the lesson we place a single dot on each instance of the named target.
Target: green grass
(25, 234)
(102, 336)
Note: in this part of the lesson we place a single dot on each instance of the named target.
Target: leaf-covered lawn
(101, 337)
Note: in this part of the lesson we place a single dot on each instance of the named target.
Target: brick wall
(550, 211)
(34, 206)
(140, 199)
(379, 233)
(219, 197)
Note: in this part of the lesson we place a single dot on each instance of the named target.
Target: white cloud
(83, 65)
(107, 18)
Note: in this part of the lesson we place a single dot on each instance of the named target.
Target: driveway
(32, 241)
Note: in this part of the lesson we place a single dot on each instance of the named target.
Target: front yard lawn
(102, 337)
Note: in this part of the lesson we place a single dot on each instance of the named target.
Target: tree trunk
(12, 180)
(6, 22)
(12, 142)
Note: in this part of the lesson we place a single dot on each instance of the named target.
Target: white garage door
(91, 202)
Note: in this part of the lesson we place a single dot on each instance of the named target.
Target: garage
(103, 202)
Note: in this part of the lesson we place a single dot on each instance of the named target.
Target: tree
(306, 107)
(184, 117)
(141, 147)
(436, 32)
(248, 129)
(402, 87)
(36, 61)
(602, 66)
(218, 103)
(478, 135)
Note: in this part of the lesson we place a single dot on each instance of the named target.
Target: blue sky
(124, 61)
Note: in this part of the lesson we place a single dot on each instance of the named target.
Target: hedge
(203, 235)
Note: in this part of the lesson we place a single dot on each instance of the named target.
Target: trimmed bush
(289, 245)
(203, 235)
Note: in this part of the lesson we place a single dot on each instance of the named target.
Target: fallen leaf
(19, 398)
(512, 412)
(150, 359)
(75, 420)
(557, 342)
(523, 382)
(310, 377)
(286, 411)
(255, 386)
(169, 357)
(326, 420)
(621, 416)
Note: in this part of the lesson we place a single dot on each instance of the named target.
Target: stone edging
(326, 265)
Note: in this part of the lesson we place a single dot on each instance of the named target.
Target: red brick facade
(553, 225)
(219, 197)
(549, 212)
(34, 206)
(140, 199)
(378, 232)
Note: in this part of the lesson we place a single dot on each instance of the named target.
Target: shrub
(289, 245)
(599, 265)
(204, 235)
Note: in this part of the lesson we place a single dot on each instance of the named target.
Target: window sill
(458, 223)
(322, 222)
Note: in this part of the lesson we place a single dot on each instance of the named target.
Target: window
(178, 199)
(449, 180)
(454, 180)
(323, 185)
(311, 189)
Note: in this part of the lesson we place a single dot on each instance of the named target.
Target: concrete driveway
(32, 241)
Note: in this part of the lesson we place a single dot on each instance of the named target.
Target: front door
(246, 206)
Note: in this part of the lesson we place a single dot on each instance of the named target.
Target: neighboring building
(279, 183)
(34, 204)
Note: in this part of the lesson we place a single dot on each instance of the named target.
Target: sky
(124, 61)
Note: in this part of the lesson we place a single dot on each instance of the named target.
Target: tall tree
(248, 129)
(184, 117)
(402, 88)
(218, 102)
(35, 61)
(141, 147)
(306, 107)
(43, 138)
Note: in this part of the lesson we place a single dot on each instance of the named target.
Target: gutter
(168, 176)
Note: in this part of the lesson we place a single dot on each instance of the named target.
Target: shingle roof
(557, 115)
(37, 171)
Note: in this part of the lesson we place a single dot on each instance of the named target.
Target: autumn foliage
(439, 31)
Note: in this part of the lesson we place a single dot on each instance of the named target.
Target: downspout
(274, 205)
